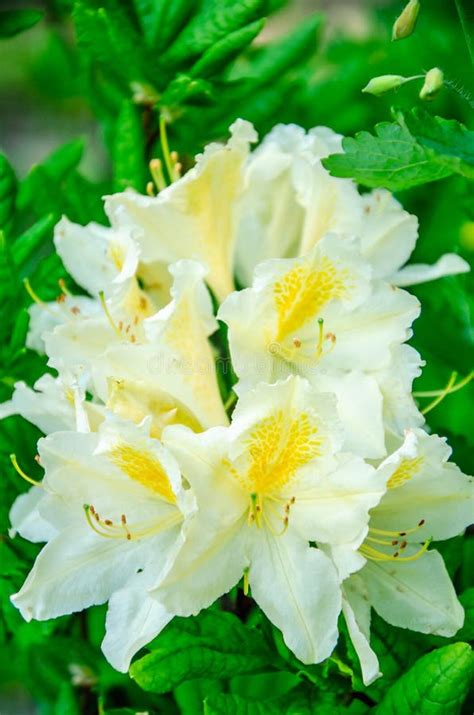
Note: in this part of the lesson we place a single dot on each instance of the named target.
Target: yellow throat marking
(304, 291)
(278, 447)
(404, 472)
(144, 468)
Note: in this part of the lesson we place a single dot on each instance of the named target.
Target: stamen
(35, 297)
(109, 530)
(435, 393)
(297, 342)
(107, 313)
(165, 147)
(246, 582)
(150, 189)
(156, 171)
(441, 396)
(23, 474)
(63, 287)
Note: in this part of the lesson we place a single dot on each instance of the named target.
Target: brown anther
(297, 342)
(420, 523)
(402, 533)
(120, 325)
(287, 508)
(97, 516)
(91, 509)
(135, 320)
(123, 519)
(367, 209)
(404, 544)
(396, 555)
(133, 339)
(129, 536)
(394, 543)
(142, 302)
(127, 329)
(285, 521)
(60, 298)
(331, 337)
(75, 310)
(292, 500)
(108, 522)
(258, 508)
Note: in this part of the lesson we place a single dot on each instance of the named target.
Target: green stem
(165, 148)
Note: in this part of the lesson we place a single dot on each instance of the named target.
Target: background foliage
(118, 65)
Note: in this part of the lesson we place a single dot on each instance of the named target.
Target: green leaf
(392, 159)
(417, 150)
(436, 685)
(7, 281)
(109, 40)
(467, 631)
(215, 20)
(271, 62)
(447, 138)
(223, 704)
(13, 22)
(32, 239)
(129, 150)
(8, 187)
(161, 20)
(214, 645)
(215, 59)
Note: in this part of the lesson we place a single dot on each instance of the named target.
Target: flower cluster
(319, 490)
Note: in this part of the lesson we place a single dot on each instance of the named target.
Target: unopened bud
(405, 23)
(384, 83)
(432, 84)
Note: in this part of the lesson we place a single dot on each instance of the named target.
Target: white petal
(208, 565)
(297, 588)
(359, 406)
(26, 519)
(431, 488)
(133, 620)
(75, 570)
(196, 216)
(388, 233)
(448, 265)
(356, 610)
(417, 595)
(94, 255)
(334, 508)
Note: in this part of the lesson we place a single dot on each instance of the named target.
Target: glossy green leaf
(161, 20)
(8, 188)
(214, 645)
(215, 20)
(216, 58)
(129, 150)
(436, 685)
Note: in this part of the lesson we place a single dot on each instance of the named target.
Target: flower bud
(433, 83)
(405, 23)
(384, 83)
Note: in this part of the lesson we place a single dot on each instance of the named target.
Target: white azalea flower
(427, 498)
(97, 257)
(53, 405)
(286, 172)
(171, 373)
(196, 216)
(265, 487)
(322, 317)
(111, 510)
